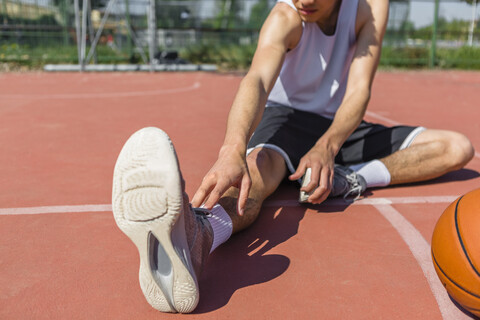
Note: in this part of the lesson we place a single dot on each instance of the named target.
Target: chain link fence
(420, 33)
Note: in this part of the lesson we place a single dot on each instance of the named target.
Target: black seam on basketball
(450, 279)
(461, 241)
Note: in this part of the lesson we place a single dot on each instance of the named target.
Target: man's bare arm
(281, 31)
(371, 23)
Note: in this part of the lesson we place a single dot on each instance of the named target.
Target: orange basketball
(456, 250)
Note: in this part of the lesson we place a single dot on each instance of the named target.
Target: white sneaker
(151, 208)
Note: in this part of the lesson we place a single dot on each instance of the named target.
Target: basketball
(456, 250)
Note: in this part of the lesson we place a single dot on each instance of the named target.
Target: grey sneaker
(346, 182)
(152, 209)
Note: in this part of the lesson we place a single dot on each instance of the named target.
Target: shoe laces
(354, 186)
(201, 214)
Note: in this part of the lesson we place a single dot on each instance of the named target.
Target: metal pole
(100, 29)
(472, 25)
(226, 14)
(152, 26)
(91, 32)
(39, 33)
(128, 24)
(78, 31)
(84, 33)
(5, 12)
(22, 9)
(138, 45)
(65, 13)
(433, 47)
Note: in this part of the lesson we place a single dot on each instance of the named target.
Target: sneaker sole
(147, 201)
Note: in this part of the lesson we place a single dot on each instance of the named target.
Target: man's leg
(432, 154)
(151, 207)
(267, 170)
(429, 154)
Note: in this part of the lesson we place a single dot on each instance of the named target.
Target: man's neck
(328, 22)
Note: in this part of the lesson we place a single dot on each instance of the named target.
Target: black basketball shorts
(292, 133)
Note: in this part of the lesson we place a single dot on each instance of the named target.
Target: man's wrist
(328, 145)
(232, 149)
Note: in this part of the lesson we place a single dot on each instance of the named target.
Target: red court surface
(63, 257)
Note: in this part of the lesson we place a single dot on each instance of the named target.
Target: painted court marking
(192, 87)
(56, 209)
(421, 251)
(368, 201)
(382, 118)
(278, 203)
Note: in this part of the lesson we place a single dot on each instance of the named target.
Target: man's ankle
(221, 224)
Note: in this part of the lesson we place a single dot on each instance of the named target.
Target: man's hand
(229, 170)
(322, 164)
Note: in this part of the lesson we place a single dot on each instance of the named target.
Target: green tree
(447, 30)
(228, 16)
(258, 14)
(172, 15)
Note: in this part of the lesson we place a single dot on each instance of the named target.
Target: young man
(313, 70)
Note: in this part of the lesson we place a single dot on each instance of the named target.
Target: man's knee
(455, 146)
(262, 159)
(266, 165)
(461, 149)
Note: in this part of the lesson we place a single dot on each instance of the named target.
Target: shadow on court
(465, 311)
(459, 175)
(245, 259)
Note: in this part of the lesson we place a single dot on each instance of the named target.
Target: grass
(38, 56)
(231, 57)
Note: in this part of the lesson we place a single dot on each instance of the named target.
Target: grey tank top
(314, 74)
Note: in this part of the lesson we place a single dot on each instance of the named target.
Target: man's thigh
(291, 133)
(375, 141)
(456, 146)
(432, 135)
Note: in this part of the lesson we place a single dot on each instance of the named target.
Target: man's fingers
(324, 188)
(299, 173)
(243, 194)
(202, 194)
(213, 198)
(314, 180)
(221, 186)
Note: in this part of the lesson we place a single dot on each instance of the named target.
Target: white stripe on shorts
(278, 149)
(411, 136)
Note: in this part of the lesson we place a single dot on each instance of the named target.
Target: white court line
(382, 118)
(276, 203)
(192, 87)
(56, 209)
(421, 251)
(368, 201)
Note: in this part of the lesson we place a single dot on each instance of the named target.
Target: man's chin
(307, 18)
